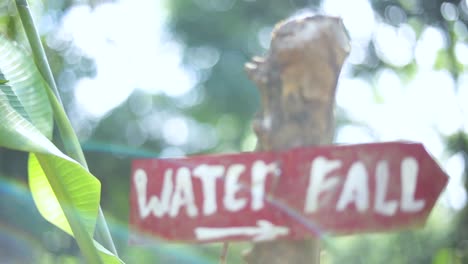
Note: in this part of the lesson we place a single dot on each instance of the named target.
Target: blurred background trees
(153, 78)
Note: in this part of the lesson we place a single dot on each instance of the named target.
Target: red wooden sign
(292, 194)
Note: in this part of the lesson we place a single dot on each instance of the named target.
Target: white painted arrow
(264, 230)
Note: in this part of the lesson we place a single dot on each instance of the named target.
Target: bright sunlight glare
(126, 59)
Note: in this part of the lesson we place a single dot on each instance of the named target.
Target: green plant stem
(39, 55)
(72, 145)
(70, 141)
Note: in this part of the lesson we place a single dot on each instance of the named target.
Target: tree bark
(297, 82)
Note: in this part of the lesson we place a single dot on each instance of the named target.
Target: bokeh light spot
(175, 131)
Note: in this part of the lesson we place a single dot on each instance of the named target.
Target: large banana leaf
(52, 195)
(17, 132)
(26, 89)
(65, 193)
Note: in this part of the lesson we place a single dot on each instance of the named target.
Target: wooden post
(297, 82)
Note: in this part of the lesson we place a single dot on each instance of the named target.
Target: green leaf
(16, 132)
(65, 191)
(72, 185)
(25, 89)
(66, 197)
(54, 177)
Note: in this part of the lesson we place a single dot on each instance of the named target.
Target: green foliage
(16, 131)
(67, 196)
(65, 193)
(457, 143)
(78, 190)
(25, 91)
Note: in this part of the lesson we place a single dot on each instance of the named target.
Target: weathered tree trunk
(297, 81)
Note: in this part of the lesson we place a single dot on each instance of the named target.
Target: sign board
(285, 195)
